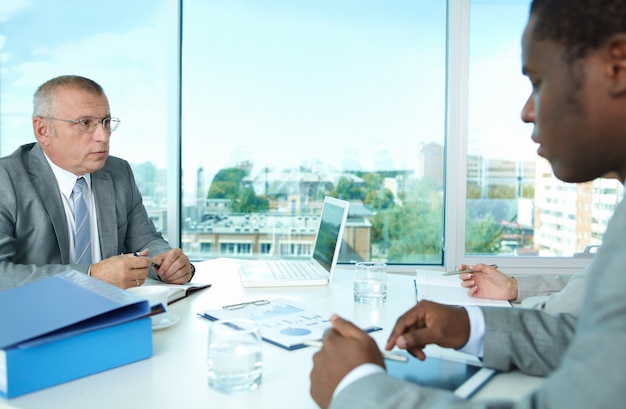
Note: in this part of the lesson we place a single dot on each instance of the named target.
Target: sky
(348, 81)
(358, 83)
(41, 40)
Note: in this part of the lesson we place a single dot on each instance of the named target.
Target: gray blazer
(583, 360)
(565, 292)
(540, 285)
(34, 239)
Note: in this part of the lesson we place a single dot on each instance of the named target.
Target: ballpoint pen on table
(386, 354)
(467, 270)
(245, 304)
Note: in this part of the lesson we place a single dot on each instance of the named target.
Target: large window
(238, 117)
(284, 102)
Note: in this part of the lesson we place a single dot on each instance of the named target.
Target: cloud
(9, 8)
(4, 57)
(131, 66)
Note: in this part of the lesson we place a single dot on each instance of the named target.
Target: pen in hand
(467, 270)
(154, 265)
(386, 354)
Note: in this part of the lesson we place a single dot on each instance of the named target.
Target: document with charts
(283, 323)
(433, 286)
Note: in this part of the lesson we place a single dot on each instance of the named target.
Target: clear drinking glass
(235, 362)
(370, 283)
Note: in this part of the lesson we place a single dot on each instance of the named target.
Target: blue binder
(65, 327)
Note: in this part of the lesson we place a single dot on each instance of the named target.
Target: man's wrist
(475, 344)
(514, 293)
(357, 373)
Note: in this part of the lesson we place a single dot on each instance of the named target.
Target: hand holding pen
(172, 266)
(392, 356)
(144, 253)
(465, 269)
(429, 323)
(483, 281)
(122, 270)
(345, 347)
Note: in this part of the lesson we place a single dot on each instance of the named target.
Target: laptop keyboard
(292, 270)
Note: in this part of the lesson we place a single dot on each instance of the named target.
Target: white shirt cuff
(357, 373)
(476, 343)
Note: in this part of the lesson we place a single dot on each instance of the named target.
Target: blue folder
(68, 326)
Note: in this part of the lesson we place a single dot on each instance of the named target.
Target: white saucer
(167, 320)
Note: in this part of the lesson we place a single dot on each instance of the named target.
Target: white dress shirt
(66, 181)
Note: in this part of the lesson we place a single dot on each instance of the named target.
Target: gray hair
(44, 100)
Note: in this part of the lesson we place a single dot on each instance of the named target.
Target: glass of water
(235, 361)
(370, 283)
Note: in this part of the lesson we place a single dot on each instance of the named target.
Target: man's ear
(41, 130)
(616, 68)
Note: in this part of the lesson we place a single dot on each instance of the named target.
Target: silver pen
(154, 265)
(386, 354)
(467, 270)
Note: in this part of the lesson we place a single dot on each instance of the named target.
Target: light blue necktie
(82, 233)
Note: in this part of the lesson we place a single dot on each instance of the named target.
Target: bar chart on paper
(273, 310)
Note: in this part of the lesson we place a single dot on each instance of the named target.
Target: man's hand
(430, 323)
(487, 282)
(172, 266)
(345, 347)
(123, 271)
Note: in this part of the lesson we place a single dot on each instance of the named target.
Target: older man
(67, 204)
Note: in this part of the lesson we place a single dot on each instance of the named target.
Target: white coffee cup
(155, 295)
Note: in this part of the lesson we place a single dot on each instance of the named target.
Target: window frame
(456, 146)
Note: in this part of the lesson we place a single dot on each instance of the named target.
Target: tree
(412, 232)
(225, 184)
(346, 189)
(379, 199)
(482, 235)
(248, 202)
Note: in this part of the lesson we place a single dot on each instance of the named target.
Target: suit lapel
(104, 197)
(45, 184)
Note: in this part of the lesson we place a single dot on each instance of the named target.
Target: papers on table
(283, 322)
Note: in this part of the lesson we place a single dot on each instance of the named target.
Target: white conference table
(175, 376)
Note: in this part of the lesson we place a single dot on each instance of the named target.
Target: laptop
(318, 270)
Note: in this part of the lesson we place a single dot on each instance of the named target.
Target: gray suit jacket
(565, 292)
(540, 285)
(583, 360)
(34, 239)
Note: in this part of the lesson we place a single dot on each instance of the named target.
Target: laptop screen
(330, 232)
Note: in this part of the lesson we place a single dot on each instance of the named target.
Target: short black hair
(579, 25)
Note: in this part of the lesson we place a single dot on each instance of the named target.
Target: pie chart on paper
(296, 332)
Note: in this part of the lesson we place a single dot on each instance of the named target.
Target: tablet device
(462, 377)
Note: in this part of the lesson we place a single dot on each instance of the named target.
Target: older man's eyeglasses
(89, 125)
